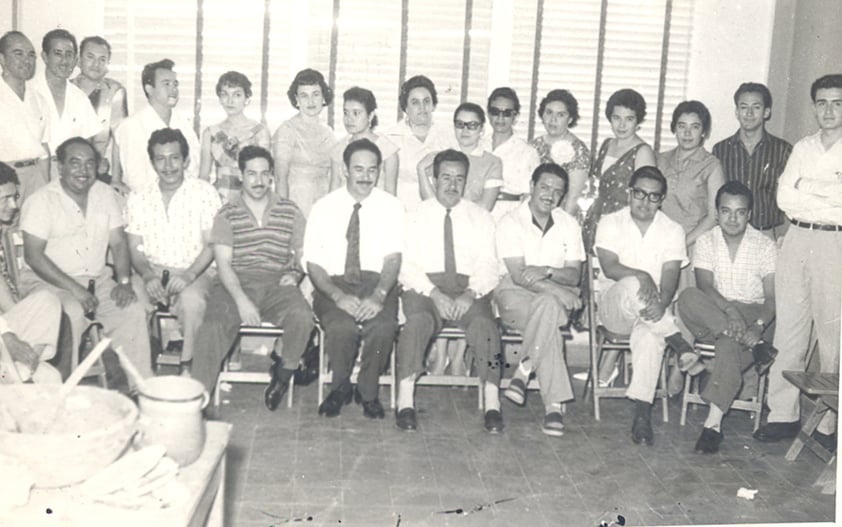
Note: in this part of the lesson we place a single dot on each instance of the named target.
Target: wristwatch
(124, 281)
(549, 272)
(759, 322)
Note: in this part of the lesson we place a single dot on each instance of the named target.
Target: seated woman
(301, 145)
(359, 119)
(559, 111)
(222, 142)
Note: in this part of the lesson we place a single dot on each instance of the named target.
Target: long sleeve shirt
(818, 173)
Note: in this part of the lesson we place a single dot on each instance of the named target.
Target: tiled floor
(294, 467)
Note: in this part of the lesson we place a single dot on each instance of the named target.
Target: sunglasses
(653, 197)
(494, 112)
(470, 125)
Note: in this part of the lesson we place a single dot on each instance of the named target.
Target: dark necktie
(449, 254)
(352, 254)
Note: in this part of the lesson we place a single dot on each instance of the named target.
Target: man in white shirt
(540, 247)
(354, 267)
(135, 171)
(733, 305)
(448, 274)
(808, 280)
(24, 137)
(168, 228)
(71, 113)
(641, 252)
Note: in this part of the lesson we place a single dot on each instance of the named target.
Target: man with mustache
(23, 141)
(256, 242)
(168, 227)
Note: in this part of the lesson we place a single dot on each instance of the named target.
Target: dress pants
(538, 316)
(343, 334)
(707, 322)
(619, 311)
(281, 305)
(808, 289)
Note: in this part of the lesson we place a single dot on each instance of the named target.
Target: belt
(816, 226)
(25, 162)
(505, 196)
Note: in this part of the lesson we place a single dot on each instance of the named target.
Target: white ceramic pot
(171, 415)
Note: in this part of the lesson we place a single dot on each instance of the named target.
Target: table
(201, 505)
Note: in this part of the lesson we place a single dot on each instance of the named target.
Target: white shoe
(583, 376)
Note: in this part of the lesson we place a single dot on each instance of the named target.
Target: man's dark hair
(649, 173)
(254, 152)
(8, 174)
(833, 80)
(61, 151)
(450, 155)
(627, 98)
(147, 76)
(58, 34)
(504, 92)
(735, 188)
(473, 108)
(358, 145)
(418, 81)
(696, 107)
(551, 168)
(96, 39)
(565, 97)
(4, 40)
(754, 87)
(165, 136)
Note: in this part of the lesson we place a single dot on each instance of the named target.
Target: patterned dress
(574, 157)
(306, 146)
(225, 148)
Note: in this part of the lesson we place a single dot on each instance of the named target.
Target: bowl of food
(64, 441)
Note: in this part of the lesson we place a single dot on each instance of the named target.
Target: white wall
(731, 44)
(82, 18)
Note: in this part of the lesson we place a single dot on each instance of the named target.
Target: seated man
(449, 271)
(734, 304)
(641, 252)
(354, 267)
(68, 225)
(256, 242)
(541, 248)
(168, 227)
(29, 327)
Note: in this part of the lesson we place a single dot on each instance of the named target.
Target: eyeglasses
(470, 125)
(494, 112)
(653, 197)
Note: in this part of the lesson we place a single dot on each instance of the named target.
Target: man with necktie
(448, 275)
(354, 267)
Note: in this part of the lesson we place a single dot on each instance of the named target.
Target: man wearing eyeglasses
(641, 252)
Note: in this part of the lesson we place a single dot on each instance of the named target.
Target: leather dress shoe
(373, 409)
(493, 422)
(776, 431)
(642, 431)
(405, 420)
(276, 389)
(331, 406)
(764, 355)
(709, 441)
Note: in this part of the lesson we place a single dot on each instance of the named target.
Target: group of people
(451, 226)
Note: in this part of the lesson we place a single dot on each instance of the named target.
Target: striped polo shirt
(268, 247)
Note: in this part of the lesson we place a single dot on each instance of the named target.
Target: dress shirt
(759, 171)
(132, 136)
(77, 119)
(687, 185)
(818, 172)
(26, 124)
(172, 236)
(519, 237)
(663, 242)
(411, 151)
(381, 230)
(519, 160)
(741, 279)
(473, 243)
(76, 241)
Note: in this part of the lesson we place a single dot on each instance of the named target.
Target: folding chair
(512, 341)
(453, 333)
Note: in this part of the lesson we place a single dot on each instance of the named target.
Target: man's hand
(648, 291)
(155, 289)
(20, 351)
(653, 311)
(249, 314)
(461, 305)
(443, 303)
(123, 295)
(751, 336)
(348, 303)
(369, 308)
(532, 274)
(179, 282)
(288, 279)
(569, 299)
(87, 300)
(736, 324)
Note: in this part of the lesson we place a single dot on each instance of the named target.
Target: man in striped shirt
(257, 243)
(755, 157)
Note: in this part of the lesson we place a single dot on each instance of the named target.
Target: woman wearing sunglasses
(559, 111)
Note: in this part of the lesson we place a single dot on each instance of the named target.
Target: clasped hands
(648, 294)
(178, 282)
(532, 274)
(739, 330)
(452, 308)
